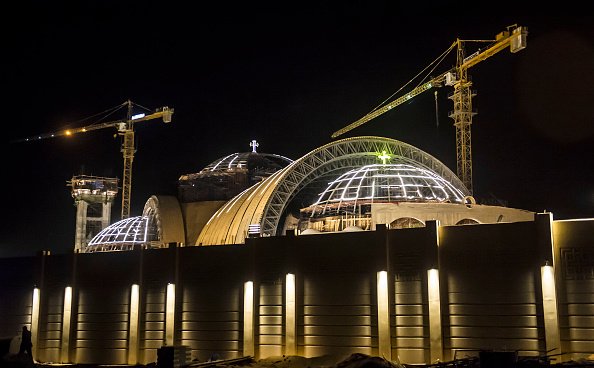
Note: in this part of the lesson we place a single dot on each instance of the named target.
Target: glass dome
(123, 235)
(389, 183)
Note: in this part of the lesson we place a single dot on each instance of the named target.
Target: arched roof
(165, 214)
(264, 203)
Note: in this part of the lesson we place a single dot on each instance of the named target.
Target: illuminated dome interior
(384, 183)
(123, 235)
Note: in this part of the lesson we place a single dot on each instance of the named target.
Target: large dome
(251, 161)
(385, 183)
(229, 175)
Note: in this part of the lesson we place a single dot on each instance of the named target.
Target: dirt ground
(326, 361)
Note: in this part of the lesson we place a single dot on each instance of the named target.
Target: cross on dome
(254, 145)
(384, 156)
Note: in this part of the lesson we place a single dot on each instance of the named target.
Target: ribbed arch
(264, 203)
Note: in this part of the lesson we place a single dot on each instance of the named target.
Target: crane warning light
(68, 132)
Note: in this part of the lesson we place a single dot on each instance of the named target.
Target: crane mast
(514, 38)
(128, 150)
(462, 115)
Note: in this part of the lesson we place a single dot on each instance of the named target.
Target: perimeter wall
(422, 294)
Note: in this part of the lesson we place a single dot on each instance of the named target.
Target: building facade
(417, 295)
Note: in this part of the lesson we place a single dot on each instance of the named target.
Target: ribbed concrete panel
(480, 311)
(50, 326)
(152, 323)
(492, 289)
(15, 309)
(270, 326)
(102, 326)
(211, 319)
(338, 315)
(574, 260)
(410, 320)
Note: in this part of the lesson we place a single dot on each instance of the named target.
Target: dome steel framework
(122, 235)
(344, 154)
(246, 161)
(384, 183)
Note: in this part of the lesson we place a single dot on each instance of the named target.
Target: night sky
(287, 74)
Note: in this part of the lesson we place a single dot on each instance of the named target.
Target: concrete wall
(574, 254)
(447, 292)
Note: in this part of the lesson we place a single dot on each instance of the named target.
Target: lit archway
(406, 223)
(264, 203)
(467, 221)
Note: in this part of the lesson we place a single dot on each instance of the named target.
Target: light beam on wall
(549, 306)
(170, 315)
(35, 310)
(435, 339)
(134, 324)
(383, 316)
(66, 319)
(291, 316)
(248, 319)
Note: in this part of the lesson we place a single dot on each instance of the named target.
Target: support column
(35, 313)
(435, 337)
(66, 325)
(248, 319)
(383, 316)
(106, 215)
(290, 315)
(434, 293)
(133, 334)
(549, 306)
(81, 225)
(170, 315)
(135, 308)
(544, 226)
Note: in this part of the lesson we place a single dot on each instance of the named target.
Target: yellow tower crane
(514, 38)
(125, 128)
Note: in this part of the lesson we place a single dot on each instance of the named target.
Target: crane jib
(389, 106)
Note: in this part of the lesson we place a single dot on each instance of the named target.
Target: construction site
(366, 252)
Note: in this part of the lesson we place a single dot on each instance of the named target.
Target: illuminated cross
(384, 156)
(254, 144)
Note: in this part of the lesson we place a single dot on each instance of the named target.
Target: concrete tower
(93, 198)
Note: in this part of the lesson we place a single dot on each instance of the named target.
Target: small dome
(123, 235)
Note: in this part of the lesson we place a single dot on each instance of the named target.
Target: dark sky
(287, 74)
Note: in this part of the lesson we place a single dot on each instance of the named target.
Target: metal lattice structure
(123, 235)
(342, 156)
(384, 183)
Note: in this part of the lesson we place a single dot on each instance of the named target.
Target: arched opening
(467, 222)
(406, 223)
